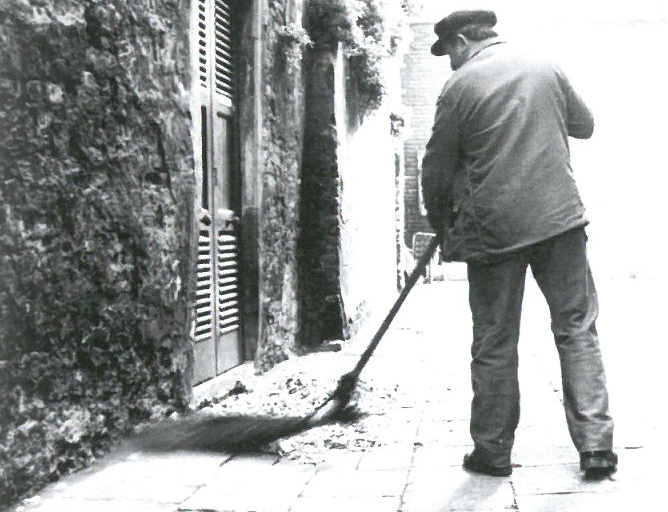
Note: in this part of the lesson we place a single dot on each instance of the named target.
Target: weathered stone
(283, 108)
(95, 163)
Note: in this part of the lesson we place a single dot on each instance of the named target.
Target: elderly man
(497, 183)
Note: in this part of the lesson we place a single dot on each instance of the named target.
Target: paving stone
(341, 459)
(642, 465)
(454, 389)
(453, 489)
(418, 466)
(448, 409)
(588, 502)
(565, 478)
(438, 456)
(400, 415)
(249, 484)
(454, 433)
(329, 504)
(338, 483)
(387, 457)
(639, 432)
(114, 505)
(149, 480)
(544, 411)
(549, 430)
(191, 468)
(542, 454)
(392, 432)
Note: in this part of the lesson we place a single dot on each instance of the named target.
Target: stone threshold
(222, 384)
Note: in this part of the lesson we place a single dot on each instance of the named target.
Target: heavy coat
(496, 175)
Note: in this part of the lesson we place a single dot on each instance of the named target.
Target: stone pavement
(426, 352)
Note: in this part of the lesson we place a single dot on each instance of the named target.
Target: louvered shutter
(203, 43)
(228, 282)
(224, 61)
(217, 324)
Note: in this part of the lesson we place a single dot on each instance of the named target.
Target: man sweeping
(498, 185)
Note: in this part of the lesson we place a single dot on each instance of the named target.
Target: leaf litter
(296, 387)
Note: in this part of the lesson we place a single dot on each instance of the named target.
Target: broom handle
(419, 268)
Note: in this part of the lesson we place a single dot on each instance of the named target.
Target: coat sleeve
(580, 118)
(439, 165)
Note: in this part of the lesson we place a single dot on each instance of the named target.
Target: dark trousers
(562, 272)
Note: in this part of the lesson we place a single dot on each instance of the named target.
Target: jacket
(496, 174)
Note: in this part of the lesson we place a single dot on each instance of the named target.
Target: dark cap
(456, 21)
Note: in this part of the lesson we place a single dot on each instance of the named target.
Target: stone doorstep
(223, 383)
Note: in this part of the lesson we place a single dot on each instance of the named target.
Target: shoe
(599, 464)
(473, 463)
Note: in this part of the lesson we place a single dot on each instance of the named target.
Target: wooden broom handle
(419, 268)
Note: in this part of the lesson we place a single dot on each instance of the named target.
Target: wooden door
(217, 326)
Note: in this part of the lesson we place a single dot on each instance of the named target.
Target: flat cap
(457, 20)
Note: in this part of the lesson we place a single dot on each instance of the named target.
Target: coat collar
(491, 42)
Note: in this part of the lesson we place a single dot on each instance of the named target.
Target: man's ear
(462, 41)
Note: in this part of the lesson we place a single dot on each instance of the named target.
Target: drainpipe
(259, 9)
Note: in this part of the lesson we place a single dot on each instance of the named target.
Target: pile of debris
(295, 388)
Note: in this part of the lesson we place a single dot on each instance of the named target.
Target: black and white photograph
(333, 255)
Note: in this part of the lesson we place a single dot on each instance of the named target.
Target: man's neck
(476, 46)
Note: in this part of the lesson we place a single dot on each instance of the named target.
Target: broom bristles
(243, 433)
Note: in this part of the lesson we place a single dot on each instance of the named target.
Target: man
(498, 184)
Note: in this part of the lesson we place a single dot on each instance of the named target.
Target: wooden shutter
(218, 324)
(203, 43)
(224, 60)
(204, 294)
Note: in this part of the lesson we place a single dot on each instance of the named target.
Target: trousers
(561, 270)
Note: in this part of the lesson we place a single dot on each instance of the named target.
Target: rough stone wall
(282, 139)
(422, 80)
(320, 216)
(95, 201)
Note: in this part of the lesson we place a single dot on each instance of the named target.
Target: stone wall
(281, 148)
(346, 255)
(96, 176)
(320, 235)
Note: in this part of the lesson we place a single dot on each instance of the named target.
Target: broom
(243, 433)
(339, 400)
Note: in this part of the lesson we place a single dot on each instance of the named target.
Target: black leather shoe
(473, 463)
(597, 465)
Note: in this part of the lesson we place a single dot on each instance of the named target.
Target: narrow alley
(424, 431)
(207, 209)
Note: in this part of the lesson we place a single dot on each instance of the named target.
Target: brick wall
(423, 76)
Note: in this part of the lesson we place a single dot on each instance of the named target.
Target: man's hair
(474, 32)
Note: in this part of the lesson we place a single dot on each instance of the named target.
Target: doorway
(217, 317)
